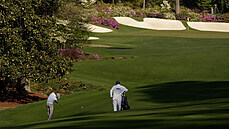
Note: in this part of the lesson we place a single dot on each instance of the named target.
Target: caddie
(116, 94)
(51, 99)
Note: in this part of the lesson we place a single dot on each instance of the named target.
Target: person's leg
(119, 99)
(50, 111)
(115, 105)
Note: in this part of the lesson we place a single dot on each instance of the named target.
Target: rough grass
(177, 80)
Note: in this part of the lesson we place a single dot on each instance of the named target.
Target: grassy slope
(178, 79)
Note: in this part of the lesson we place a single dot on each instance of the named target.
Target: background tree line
(223, 5)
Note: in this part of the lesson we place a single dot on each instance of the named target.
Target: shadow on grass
(175, 116)
(187, 91)
(119, 48)
(44, 123)
(143, 124)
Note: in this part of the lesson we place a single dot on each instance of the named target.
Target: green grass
(176, 80)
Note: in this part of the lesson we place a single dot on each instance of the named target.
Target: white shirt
(52, 98)
(117, 90)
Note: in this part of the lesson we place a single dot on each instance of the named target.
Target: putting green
(177, 79)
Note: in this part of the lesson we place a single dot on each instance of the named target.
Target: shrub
(93, 57)
(226, 17)
(165, 6)
(73, 53)
(170, 16)
(108, 11)
(105, 22)
(77, 54)
(186, 12)
(155, 15)
(211, 18)
(139, 14)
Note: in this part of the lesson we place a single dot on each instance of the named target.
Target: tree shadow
(23, 97)
(44, 123)
(119, 48)
(140, 124)
(186, 91)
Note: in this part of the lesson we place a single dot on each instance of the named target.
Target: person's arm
(55, 99)
(123, 90)
(111, 92)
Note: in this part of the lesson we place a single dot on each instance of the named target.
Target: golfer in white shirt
(51, 99)
(116, 93)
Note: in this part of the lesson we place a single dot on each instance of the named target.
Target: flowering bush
(73, 53)
(165, 7)
(170, 15)
(105, 22)
(108, 11)
(211, 18)
(139, 14)
(77, 54)
(186, 12)
(156, 15)
(87, 2)
(93, 57)
(226, 17)
(191, 15)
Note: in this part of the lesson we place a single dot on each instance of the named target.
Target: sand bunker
(209, 26)
(98, 29)
(130, 22)
(152, 23)
(92, 38)
(164, 24)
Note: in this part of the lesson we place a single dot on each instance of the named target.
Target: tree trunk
(144, 4)
(177, 7)
(27, 85)
(222, 4)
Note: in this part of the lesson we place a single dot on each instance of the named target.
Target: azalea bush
(77, 54)
(105, 22)
(73, 53)
(211, 18)
(156, 15)
(192, 14)
(108, 11)
(226, 17)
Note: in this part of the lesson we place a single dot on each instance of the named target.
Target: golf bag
(124, 102)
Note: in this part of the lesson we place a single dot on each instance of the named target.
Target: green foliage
(226, 17)
(26, 48)
(204, 4)
(46, 7)
(185, 13)
(71, 25)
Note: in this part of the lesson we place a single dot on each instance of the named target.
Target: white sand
(98, 29)
(130, 22)
(93, 38)
(152, 23)
(164, 24)
(209, 26)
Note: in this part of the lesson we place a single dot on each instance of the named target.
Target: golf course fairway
(176, 80)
